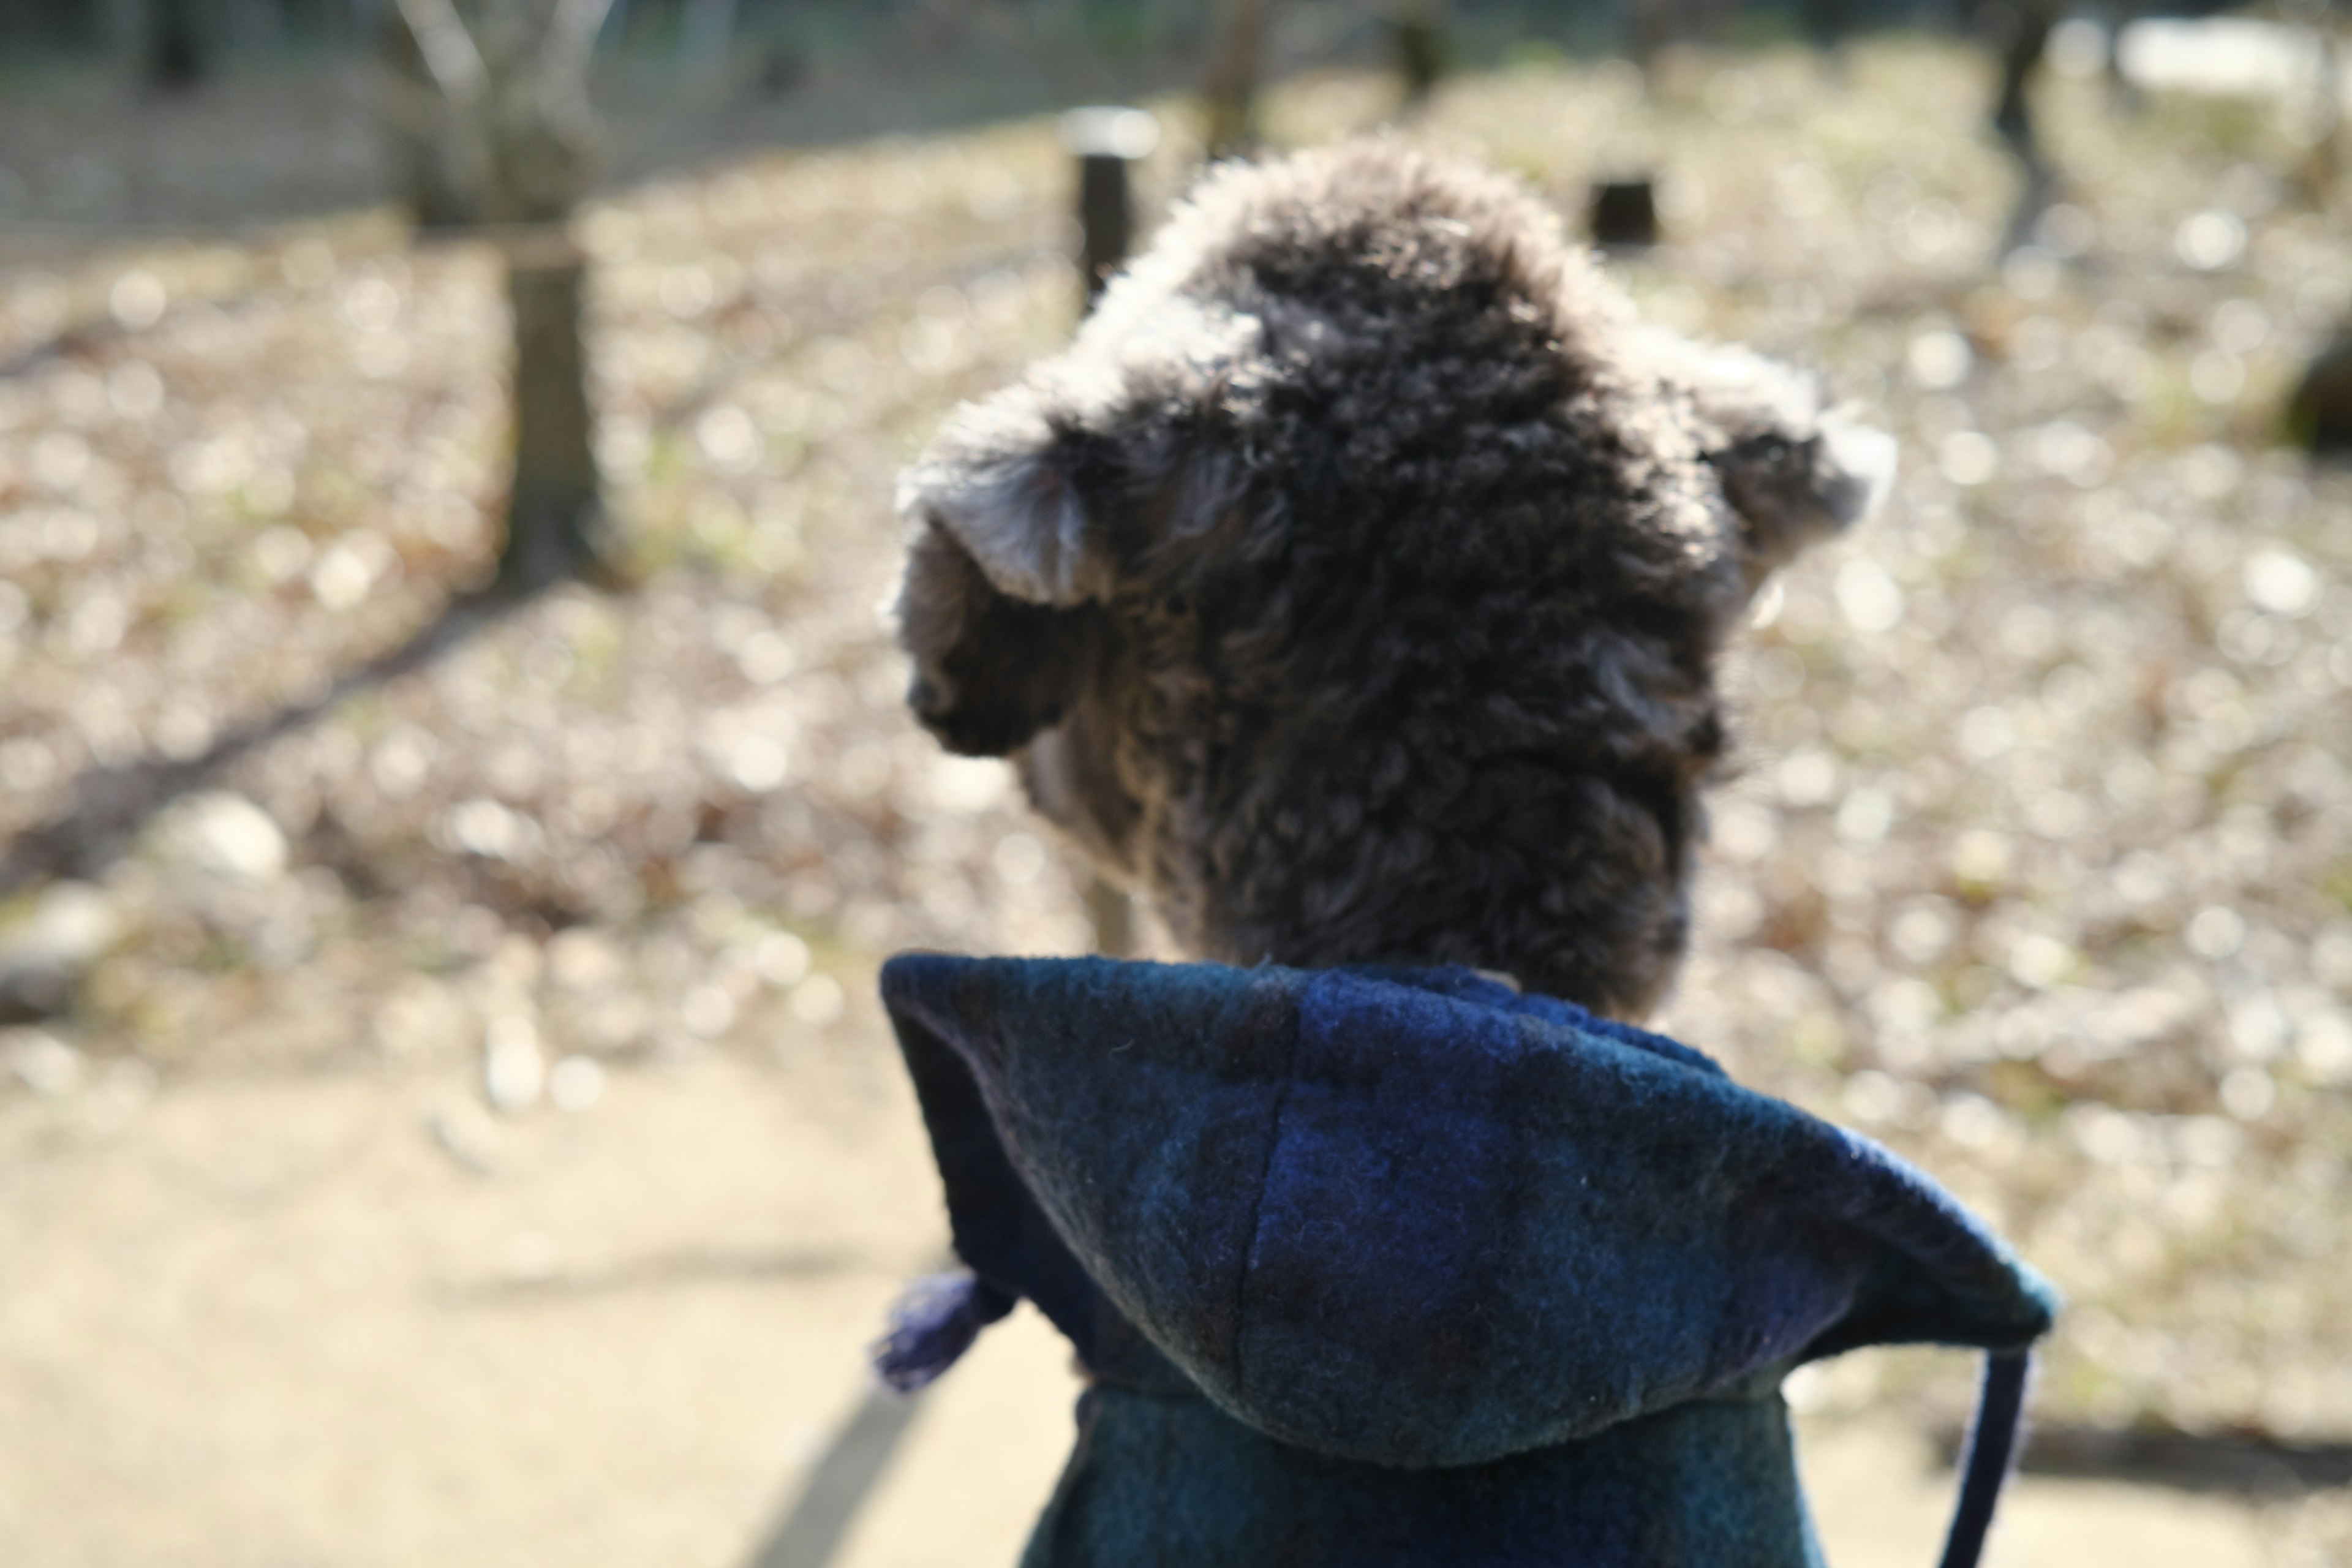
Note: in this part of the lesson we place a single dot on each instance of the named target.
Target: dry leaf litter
(2038, 864)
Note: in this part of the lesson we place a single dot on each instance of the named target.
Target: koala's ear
(1793, 486)
(1793, 469)
(999, 481)
(991, 671)
(997, 605)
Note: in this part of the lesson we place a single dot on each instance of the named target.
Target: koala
(1353, 584)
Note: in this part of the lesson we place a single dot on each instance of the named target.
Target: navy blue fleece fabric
(1412, 1220)
(1160, 1482)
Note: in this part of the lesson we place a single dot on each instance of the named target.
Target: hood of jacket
(1414, 1217)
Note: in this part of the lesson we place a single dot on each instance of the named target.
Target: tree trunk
(1236, 58)
(707, 34)
(2319, 172)
(555, 523)
(511, 145)
(1654, 23)
(1658, 24)
(2025, 37)
(175, 51)
(123, 28)
(254, 26)
(414, 129)
(1419, 47)
(1828, 24)
(359, 19)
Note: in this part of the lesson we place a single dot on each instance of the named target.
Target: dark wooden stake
(1626, 214)
(1106, 218)
(1106, 141)
(1236, 60)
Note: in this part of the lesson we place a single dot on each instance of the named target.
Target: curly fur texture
(1353, 584)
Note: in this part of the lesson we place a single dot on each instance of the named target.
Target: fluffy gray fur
(1353, 585)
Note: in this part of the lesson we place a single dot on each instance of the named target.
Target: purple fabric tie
(934, 1322)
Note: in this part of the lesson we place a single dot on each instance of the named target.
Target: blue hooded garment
(1369, 1267)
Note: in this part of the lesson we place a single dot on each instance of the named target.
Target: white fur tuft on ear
(994, 482)
(1855, 468)
(1794, 468)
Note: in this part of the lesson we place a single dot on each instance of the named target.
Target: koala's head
(1353, 584)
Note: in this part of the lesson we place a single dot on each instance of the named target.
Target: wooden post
(1626, 214)
(1106, 141)
(1236, 58)
(1106, 218)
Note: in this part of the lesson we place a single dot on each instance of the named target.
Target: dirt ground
(349, 1320)
(2038, 864)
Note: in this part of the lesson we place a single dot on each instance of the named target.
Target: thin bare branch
(449, 51)
(571, 37)
(412, 108)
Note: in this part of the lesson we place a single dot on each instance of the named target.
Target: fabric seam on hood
(1264, 1175)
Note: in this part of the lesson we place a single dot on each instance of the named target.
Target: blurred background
(456, 792)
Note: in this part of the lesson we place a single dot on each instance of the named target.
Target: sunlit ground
(2039, 863)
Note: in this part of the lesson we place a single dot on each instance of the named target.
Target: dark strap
(1999, 1409)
